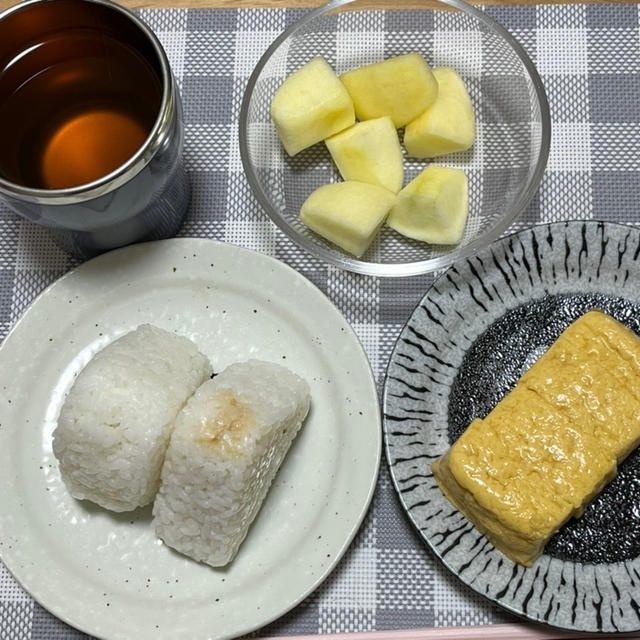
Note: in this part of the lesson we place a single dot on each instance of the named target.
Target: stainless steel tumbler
(144, 198)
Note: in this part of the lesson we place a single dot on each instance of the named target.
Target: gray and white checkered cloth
(589, 59)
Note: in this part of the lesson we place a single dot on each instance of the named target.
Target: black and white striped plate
(476, 331)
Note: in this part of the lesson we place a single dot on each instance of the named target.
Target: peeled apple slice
(369, 152)
(401, 88)
(448, 125)
(310, 105)
(348, 214)
(433, 207)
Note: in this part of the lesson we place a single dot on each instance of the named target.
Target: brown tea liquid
(74, 106)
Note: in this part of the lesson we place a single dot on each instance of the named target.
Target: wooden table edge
(244, 4)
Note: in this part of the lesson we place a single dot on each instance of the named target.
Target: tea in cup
(91, 125)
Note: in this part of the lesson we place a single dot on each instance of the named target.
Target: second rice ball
(227, 445)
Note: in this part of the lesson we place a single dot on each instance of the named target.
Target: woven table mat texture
(588, 57)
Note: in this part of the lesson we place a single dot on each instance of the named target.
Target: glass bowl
(504, 167)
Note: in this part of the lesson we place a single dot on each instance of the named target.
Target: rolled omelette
(553, 442)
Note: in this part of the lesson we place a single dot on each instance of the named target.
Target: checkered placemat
(589, 59)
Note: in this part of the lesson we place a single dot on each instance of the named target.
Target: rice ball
(228, 444)
(115, 424)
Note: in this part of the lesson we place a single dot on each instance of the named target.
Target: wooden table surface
(230, 4)
(235, 4)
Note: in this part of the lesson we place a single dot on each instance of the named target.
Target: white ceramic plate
(106, 573)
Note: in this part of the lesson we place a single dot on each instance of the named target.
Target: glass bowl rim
(398, 269)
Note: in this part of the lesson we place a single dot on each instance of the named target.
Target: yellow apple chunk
(401, 88)
(448, 125)
(348, 214)
(433, 207)
(369, 152)
(310, 105)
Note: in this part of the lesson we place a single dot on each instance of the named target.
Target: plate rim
(552, 225)
(375, 430)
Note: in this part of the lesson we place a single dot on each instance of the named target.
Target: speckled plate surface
(106, 573)
(479, 327)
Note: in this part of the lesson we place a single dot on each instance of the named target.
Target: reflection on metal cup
(91, 123)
